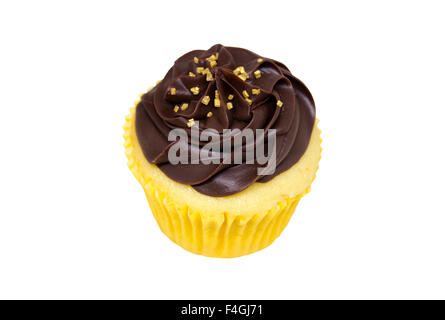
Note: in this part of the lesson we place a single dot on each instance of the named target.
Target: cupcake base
(230, 237)
(223, 227)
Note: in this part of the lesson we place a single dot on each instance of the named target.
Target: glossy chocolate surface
(293, 121)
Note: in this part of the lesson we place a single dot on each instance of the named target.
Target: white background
(74, 223)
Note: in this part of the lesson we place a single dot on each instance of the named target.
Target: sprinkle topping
(205, 100)
(209, 76)
(184, 106)
(206, 71)
(256, 91)
(229, 105)
(259, 60)
(257, 74)
(217, 102)
(241, 73)
(239, 70)
(191, 74)
(230, 97)
(279, 103)
(245, 94)
(209, 114)
(176, 108)
(190, 122)
(173, 91)
(196, 60)
(212, 60)
(195, 90)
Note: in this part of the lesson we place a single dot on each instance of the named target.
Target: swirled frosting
(225, 88)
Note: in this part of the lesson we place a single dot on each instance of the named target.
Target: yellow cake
(222, 226)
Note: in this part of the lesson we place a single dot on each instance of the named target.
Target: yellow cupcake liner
(224, 235)
(231, 236)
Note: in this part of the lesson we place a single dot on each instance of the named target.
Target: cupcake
(224, 146)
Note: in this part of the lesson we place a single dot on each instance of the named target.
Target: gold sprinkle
(209, 114)
(241, 73)
(216, 94)
(195, 90)
(243, 76)
(212, 57)
(206, 71)
(245, 94)
(205, 100)
(217, 103)
(190, 122)
(184, 106)
(249, 102)
(229, 105)
(209, 76)
(230, 97)
(259, 60)
(213, 63)
(191, 74)
(239, 70)
(256, 91)
(176, 108)
(173, 91)
(196, 60)
(257, 74)
(279, 103)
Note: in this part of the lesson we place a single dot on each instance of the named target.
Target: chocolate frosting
(156, 115)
